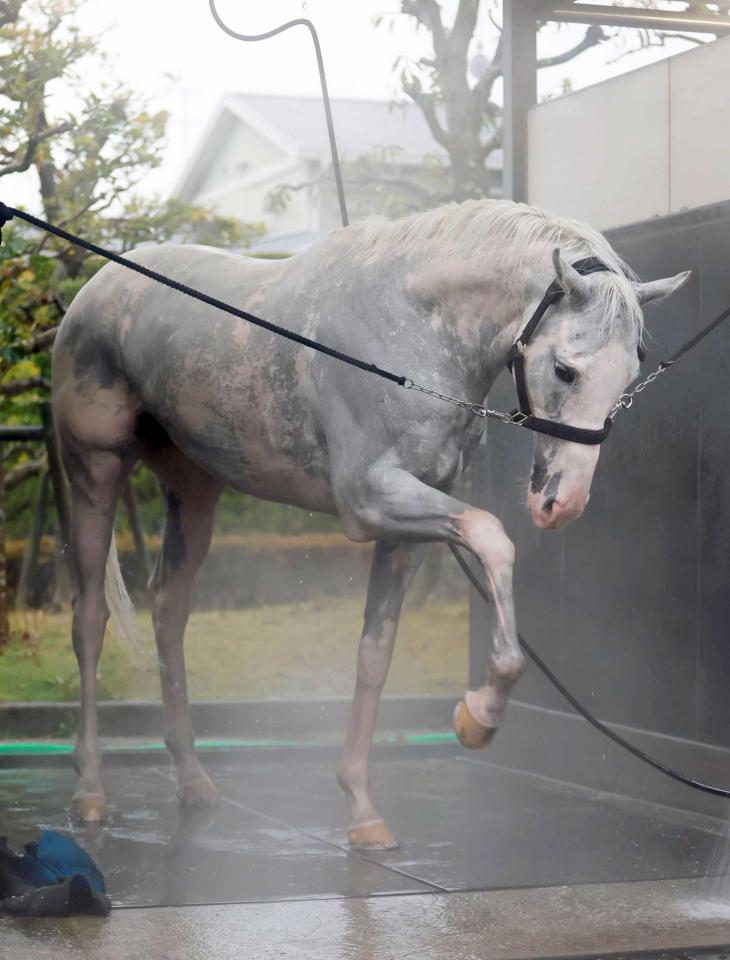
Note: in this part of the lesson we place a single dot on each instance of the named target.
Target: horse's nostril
(548, 505)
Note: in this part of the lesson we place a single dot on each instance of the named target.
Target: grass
(298, 651)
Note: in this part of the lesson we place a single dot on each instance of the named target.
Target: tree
(463, 114)
(454, 86)
(88, 149)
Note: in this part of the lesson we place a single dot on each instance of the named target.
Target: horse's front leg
(392, 503)
(392, 569)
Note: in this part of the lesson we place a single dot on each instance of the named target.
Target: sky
(173, 51)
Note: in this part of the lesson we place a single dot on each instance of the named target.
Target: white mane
(466, 227)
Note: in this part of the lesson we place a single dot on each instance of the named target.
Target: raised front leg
(392, 569)
(390, 503)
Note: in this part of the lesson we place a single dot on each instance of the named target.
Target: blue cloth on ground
(54, 877)
(54, 858)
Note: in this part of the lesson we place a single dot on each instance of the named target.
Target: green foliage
(89, 153)
(88, 149)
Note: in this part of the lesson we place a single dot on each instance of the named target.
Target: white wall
(647, 143)
(245, 197)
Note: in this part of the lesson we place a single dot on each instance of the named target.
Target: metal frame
(572, 12)
(520, 21)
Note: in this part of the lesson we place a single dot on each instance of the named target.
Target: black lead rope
(584, 711)
(8, 213)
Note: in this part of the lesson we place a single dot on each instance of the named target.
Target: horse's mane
(463, 228)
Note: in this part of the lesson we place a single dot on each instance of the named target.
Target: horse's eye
(565, 373)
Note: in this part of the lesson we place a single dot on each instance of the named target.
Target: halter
(523, 415)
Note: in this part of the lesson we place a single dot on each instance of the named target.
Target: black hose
(584, 711)
(302, 22)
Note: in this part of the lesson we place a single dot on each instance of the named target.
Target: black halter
(516, 365)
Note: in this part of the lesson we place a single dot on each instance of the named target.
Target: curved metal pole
(322, 79)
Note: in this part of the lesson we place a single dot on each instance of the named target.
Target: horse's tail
(121, 608)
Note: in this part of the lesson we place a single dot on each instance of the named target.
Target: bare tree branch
(34, 141)
(593, 36)
(428, 108)
(16, 387)
(9, 11)
(464, 25)
(428, 13)
(41, 341)
(20, 473)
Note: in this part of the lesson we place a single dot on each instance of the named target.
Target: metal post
(58, 478)
(26, 594)
(519, 57)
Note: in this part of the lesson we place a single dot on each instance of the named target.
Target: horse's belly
(274, 475)
(276, 465)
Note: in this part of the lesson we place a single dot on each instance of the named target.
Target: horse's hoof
(200, 792)
(89, 807)
(470, 732)
(372, 836)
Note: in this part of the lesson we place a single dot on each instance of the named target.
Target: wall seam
(669, 135)
(698, 521)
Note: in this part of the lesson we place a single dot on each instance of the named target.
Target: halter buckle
(516, 418)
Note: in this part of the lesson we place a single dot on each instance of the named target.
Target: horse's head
(582, 358)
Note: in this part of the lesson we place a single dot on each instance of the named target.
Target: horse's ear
(661, 289)
(568, 277)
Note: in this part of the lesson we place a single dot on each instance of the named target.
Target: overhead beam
(594, 13)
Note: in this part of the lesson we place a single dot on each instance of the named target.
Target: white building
(257, 143)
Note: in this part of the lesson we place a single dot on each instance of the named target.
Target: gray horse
(205, 399)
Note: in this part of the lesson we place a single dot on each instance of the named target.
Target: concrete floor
(492, 925)
(494, 863)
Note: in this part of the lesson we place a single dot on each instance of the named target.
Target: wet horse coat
(206, 399)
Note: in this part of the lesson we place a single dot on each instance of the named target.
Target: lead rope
(9, 213)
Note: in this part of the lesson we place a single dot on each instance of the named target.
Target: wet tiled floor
(463, 824)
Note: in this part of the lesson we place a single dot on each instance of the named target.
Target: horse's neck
(479, 301)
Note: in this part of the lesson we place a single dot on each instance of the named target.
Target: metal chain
(627, 399)
(516, 419)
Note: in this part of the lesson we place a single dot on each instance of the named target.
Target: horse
(205, 399)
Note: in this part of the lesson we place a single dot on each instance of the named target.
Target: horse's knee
(170, 607)
(90, 617)
(373, 660)
(487, 537)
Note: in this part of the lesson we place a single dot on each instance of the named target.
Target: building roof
(360, 125)
(297, 126)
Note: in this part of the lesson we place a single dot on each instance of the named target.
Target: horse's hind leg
(393, 567)
(191, 496)
(96, 480)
